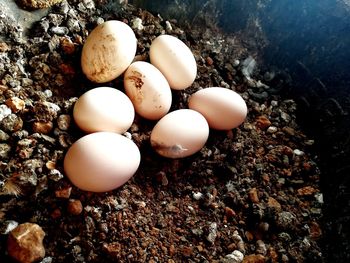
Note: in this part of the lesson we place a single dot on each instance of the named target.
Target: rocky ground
(250, 195)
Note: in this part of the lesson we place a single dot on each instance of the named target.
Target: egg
(148, 90)
(104, 109)
(101, 161)
(179, 134)
(223, 108)
(108, 51)
(175, 60)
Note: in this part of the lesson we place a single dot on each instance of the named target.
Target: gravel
(250, 195)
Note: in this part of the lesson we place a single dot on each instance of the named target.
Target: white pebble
(319, 197)
(168, 26)
(274, 103)
(47, 93)
(298, 152)
(272, 129)
(137, 23)
(197, 196)
(4, 111)
(235, 257)
(212, 232)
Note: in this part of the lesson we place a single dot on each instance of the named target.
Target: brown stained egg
(104, 109)
(175, 60)
(101, 161)
(108, 51)
(148, 90)
(223, 108)
(180, 133)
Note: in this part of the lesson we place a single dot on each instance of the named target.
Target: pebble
(235, 257)
(55, 175)
(15, 104)
(136, 23)
(212, 232)
(254, 259)
(307, 190)
(63, 122)
(5, 150)
(197, 196)
(286, 220)
(42, 127)
(4, 111)
(298, 152)
(253, 195)
(75, 207)
(3, 136)
(168, 26)
(25, 243)
(63, 193)
(67, 45)
(272, 129)
(12, 123)
(60, 30)
(263, 122)
(285, 116)
(8, 226)
(261, 247)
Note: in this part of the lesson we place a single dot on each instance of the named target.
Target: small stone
(272, 254)
(261, 247)
(25, 243)
(55, 175)
(63, 193)
(187, 251)
(254, 259)
(297, 152)
(212, 232)
(137, 23)
(63, 122)
(15, 104)
(285, 116)
(168, 26)
(307, 190)
(42, 127)
(67, 45)
(273, 203)
(229, 212)
(209, 61)
(12, 123)
(288, 130)
(3, 136)
(60, 30)
(4, 47)
(5, 150)
(263, 122)
(198, 195)
(4, 111)
(272, 129)
(50, 165)
(235, 257)
(253, 195)
(315, 231)
(75, 207)
(8, 226)
(286, 220)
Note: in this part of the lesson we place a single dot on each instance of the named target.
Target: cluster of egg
(105, 159)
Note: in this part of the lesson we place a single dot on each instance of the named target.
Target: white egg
(148, 90)
(104, 109)
(108, 51)
(223, 108)
(180, 133)
(101, 161)
(175, 60)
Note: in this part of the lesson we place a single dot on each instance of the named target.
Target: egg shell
(148, 90)
(101, 161)
(180, 133)
(175, 60)
(108, 51)
(104, 109)
(223, 108)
